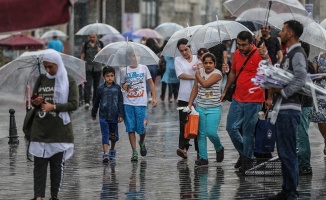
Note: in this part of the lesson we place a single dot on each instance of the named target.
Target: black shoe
(238, 163)
(278, 196)
(305, 171)
(220, 155)
(247, 164)
(54, 198)
(201, 162)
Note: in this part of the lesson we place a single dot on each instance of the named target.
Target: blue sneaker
(143, 150)
(105, 157)
(112, 153)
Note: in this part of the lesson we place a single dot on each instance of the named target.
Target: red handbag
(191, 126)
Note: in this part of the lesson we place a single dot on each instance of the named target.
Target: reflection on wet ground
(159, 175)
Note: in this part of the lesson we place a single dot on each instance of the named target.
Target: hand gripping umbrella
(18, 77)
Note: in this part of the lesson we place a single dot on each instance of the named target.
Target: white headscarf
(61, 85)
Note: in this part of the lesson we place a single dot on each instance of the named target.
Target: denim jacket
(109, 101)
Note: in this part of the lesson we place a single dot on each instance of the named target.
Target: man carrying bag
(244, 106)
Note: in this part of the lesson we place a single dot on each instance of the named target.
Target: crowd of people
(198, 80)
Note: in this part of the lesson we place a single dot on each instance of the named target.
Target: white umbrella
(215, 32)
(167, 29)
(257, 15)
(22, 72)
(170, 48)
(97, 28)
(52, 33)
(148, 33)
(109, 38)
(323, 23)
(117, 54)
(237, 7)
(278, 20)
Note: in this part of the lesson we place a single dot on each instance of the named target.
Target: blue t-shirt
(56, 45)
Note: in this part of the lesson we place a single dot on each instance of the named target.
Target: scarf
(61, 85)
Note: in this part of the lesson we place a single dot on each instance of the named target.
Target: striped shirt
(210, 96)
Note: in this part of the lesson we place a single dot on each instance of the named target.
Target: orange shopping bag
(191, 126)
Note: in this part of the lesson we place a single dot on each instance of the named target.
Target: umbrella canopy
(148, 33)
(323, 23)
(52, 33)
(97, 28)
(167, 29)
(257, 15)
(109, 38)
(315, 35)
(117, 54)
(170, 48)
(215, 32)
(237, 7)
(21, 42)
(278, 20)
(130, 35)
(21, 73)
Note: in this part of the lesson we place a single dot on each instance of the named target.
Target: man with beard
(289, 108)
(272, 44)
(242, 116)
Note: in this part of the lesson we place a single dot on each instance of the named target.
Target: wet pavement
(159, 175)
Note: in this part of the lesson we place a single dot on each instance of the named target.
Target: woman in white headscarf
(55, 96)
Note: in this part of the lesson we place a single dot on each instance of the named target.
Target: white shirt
(182, 66)
(47, 150)
(136, 78)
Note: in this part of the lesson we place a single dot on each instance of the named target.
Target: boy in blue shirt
(109, 102)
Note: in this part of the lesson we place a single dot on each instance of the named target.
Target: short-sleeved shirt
(210, 96)
(90, 53)
(273, 46)
(244, 82)
(136, 78)
(182, 66)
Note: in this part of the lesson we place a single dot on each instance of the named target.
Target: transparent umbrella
(148, 33)
(167, 29)
(278, 20)
(170, 48)
(118, 54)
(215, 32)
(97, 28)
(237, 7)
(18, 77)
(109, 38)
(52, 33)
(323, 23)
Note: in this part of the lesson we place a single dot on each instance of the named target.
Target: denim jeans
(303, 143)
(243, 116)
(286, 128)
(209, 120)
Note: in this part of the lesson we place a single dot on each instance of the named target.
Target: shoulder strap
(245, 62)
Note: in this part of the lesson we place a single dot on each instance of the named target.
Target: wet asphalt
(159, 175)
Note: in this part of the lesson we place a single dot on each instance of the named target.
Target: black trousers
(56, 174)
(183, 142)
(92, 79)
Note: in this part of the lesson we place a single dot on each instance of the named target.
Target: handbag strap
(245, 62)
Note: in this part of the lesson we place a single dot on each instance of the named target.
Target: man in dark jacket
(93, 69)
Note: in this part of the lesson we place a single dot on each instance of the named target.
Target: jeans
(303, 143)
(243, 116)
(286, 127)
(209, 120)
(183, 142)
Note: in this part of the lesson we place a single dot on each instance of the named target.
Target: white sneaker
(150, 100)
(86, 106)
